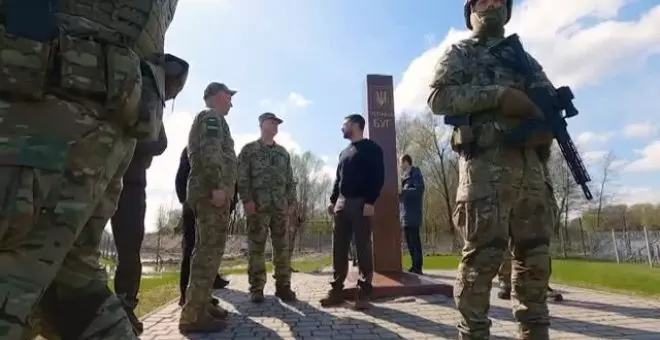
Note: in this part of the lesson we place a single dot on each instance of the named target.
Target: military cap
(213, 88)
(269, 115)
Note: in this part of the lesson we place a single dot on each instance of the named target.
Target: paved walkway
(583, 314)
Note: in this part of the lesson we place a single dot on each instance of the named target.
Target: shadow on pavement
(304, 321)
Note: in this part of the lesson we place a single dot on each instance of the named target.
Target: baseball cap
(213, 88)
(269, 115)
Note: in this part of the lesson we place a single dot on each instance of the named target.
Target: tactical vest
(106, 51)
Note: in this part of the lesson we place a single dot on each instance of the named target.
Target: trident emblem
(381, 97)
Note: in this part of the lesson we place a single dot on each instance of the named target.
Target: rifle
(551, 106)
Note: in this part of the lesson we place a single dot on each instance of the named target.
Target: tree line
(426, 139)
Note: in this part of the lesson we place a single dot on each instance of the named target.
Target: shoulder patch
(211, 126)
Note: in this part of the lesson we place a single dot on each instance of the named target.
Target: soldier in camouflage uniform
(96, 80)
(210, 189)
(268, 192)
(503, 190)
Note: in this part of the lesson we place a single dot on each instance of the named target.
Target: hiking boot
(504, 293)
(334, 298)
(554, 295)
(286, 294)
(129, 307)
(218, 312)
(257, 296)
(182, 301)
(362, 300)
(220, 283)
(533, 333)
(205, 324)
(138, 327)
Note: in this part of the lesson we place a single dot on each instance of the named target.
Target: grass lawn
(156, 291)
(625, 278)
(633, 279)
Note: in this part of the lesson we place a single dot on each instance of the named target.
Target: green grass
(633, 279)
(156, 291)
(625, 278)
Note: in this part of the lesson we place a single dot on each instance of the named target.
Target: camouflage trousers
(60, 180)
(259, 224)
(488, 225)
(504, 273)
(293, 233)
(212, 226)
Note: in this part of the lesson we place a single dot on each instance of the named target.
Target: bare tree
(603, 193)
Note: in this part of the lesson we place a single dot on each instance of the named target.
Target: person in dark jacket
(188, 228)
(411, 200)
(128, 224)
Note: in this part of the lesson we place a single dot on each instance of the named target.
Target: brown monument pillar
(389, 278)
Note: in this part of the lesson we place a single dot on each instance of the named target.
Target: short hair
(406, 158)
(357, 119)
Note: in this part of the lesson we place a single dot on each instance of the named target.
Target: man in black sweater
(359, 180)
(128, 224)
(188, 229)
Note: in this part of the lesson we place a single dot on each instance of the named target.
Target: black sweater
(360, 172)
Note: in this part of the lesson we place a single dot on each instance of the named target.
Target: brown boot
(334, 298)
(533, 333)
(286, 294)
(257, 296)
(362, 300)
(203, 324)
(217, 311)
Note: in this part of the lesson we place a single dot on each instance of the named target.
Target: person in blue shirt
(411, 200)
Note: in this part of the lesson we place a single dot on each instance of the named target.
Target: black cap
(269, 115)
(213, 88)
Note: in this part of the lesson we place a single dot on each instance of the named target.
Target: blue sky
(307, 61)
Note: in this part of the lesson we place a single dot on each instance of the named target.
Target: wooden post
(616, 250)
(648, 247)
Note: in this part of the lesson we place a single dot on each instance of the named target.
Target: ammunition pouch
(86, 70)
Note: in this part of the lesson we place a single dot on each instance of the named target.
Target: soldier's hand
(250, 208)
(331, 209)
(219, 198)
(516, 104)
(368, 210)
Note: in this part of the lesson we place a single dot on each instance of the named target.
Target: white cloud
(588, 138)
(570, 51)
(293, 101)
(649, 160)
(593, 157)
(641, 130)
(638, 195)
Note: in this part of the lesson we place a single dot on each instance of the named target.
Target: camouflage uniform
(503, 191)
(212, 167)
(64, 148)
(265, 178)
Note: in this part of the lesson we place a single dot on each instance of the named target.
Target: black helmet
(467, 10)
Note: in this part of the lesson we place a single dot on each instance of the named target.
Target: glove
(516, 104)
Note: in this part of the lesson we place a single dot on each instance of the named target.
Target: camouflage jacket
(470, 80)
(265, 176)
(211, 155)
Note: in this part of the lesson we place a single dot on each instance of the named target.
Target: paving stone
(584, 314)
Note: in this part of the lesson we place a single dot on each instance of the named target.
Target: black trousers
(128, 232)
(350, 224)
(414, 243)
(187, 245)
